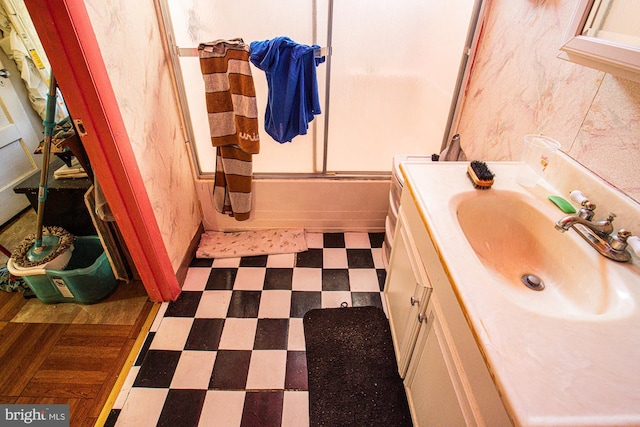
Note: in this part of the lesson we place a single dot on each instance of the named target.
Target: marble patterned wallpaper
(131, 45)
(519, 86)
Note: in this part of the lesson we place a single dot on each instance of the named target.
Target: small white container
(537, 152)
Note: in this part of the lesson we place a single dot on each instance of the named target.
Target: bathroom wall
(131, 46)
(519, 86)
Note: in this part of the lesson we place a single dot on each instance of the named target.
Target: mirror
(614, 20)
(605, 34)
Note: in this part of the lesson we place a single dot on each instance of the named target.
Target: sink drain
(532, 281)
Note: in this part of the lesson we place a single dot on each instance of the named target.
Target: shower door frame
(464, 74)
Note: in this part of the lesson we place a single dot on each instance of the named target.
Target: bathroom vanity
(446, 379)
(477, 347)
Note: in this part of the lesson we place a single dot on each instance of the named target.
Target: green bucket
(87, 278)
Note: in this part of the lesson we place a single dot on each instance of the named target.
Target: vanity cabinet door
(434, 388)
(407, 291)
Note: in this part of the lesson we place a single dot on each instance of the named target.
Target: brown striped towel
(233, 122)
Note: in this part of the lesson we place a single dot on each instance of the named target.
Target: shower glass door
(196, 21)
(393, 77)
(390, 79)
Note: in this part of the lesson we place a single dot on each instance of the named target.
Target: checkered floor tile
(230, 351)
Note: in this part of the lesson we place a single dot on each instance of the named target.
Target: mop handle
(49, 123)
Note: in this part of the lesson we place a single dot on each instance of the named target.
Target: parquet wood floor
(63, 363)
(65, 353)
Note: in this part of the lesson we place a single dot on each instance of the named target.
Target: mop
(49, 243)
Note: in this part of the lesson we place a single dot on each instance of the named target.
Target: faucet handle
(624, 239)
(579, 197)
(620, 241)
(634, 242)
(586, 212)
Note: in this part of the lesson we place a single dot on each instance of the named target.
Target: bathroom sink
(518, 245)
(548, 351)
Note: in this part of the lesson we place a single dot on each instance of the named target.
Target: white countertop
(549, 370)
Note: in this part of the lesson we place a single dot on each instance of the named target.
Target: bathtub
(315, 204)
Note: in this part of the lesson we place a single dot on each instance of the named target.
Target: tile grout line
(164, 309)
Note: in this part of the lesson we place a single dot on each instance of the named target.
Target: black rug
(353, 375)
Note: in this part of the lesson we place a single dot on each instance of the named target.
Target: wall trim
(181, 274)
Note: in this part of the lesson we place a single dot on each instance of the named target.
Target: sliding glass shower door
(386, 88)
(393, 77)
(197, 21)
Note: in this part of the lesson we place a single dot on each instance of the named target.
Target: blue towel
(293, 86)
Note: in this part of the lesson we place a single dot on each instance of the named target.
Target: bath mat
(216, 244)
(352, 370)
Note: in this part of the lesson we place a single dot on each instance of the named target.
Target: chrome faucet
(597, 233)
(602, 228)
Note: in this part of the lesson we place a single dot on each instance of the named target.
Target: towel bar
(193, 51)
